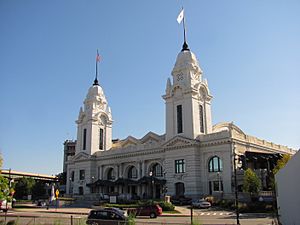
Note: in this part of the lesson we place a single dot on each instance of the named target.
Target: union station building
(193, 158)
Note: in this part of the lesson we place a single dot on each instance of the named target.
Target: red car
(150, 210)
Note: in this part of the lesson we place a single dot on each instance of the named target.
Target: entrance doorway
(179, 189)
(157, 191)
(80, 190)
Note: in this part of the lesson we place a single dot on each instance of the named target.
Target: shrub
(166, 206)
(131, 219)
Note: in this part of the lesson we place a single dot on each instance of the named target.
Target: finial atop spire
(97, 60)
(180, 18)
(185, 47)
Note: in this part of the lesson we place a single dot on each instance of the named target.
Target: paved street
(78, 216)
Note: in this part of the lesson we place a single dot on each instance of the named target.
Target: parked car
(201, 204)
(107, 216)
(150, 210)
(181, 200)
(5, 205)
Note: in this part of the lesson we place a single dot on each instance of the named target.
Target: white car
(5, 205)
(201, 204)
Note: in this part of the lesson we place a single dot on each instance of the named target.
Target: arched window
(111, 174)
(132, 172)
(215, 164)
(157, 170)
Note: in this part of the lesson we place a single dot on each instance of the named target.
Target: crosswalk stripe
(215, 213)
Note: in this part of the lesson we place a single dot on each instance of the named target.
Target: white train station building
(193, 158)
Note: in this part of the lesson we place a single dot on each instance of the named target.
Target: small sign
(112, 199)
(56, 193)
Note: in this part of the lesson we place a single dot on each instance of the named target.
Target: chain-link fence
(73, 220)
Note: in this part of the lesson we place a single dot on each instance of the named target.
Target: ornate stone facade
(193, 158)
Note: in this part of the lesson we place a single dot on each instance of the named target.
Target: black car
(181, 200)
(107, 216)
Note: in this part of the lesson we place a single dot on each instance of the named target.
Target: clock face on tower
(179, 76)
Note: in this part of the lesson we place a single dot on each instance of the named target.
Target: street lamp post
(70, 186)
(236, 188)
(152, 181)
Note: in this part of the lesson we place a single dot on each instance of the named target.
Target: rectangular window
(179, 166)
(84, 140)
(216, 185)
(179, 119)
(81, 174)
(101, 139)
(201, 119)
(72, 175)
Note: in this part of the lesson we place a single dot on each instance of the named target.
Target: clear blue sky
(249, 52)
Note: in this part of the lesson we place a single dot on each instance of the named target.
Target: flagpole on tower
(180, 19)
(97, 60)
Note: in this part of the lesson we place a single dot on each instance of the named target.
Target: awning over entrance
(125, 181)
(119, 181)
(149, 179)
(101, 183)
(264, 156)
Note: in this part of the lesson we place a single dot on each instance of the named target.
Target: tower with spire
(94, 123)
(188, 99)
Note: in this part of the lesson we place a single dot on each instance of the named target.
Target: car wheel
(5, 210)
(152, 215)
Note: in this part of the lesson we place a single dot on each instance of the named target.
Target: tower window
(81, 174)
(201, 119)
(101, 139)
(179, 119)
(84, 140)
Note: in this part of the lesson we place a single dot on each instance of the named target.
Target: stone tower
(94, 124)
(188, 100)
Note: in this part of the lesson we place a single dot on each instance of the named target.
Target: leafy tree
(4, 188)
(281, 163)
(62, 178)
(251, 182)
(24, 187)
(38, 190)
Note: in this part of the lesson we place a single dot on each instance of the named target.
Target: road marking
(202, 214)
(208, 214)
(221, 214)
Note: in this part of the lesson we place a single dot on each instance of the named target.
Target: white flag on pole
(180, 16)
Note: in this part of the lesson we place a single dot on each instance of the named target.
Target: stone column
(101, 172)
(143, 169)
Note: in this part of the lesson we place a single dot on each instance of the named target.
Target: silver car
(201, 204)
